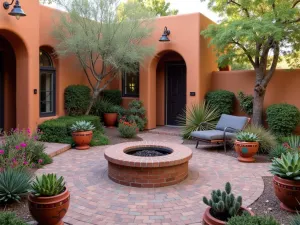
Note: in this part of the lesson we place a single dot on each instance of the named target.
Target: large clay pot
(208, 219)
(288, 192)
(246, 150)
(82, 139)
(110, 119)
(49, 210)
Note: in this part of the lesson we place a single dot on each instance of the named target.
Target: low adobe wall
(283, 88)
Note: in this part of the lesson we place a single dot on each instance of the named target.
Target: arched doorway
(7, 85)
(171, 88)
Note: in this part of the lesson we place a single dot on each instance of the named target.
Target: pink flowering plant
(21, 148)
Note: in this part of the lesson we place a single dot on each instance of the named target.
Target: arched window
(47, 85)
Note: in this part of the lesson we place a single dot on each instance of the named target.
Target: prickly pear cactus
(224, 202)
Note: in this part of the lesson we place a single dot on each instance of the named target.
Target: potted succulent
(49, 199)
(286, 171)
(82, 133)
(246, 145)
(222, 206)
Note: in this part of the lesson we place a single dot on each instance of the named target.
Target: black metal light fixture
(17, 11)
(165, 35)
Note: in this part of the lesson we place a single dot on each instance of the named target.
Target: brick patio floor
(97, 200)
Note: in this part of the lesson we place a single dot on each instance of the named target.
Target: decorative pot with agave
(82, 133)
(286, 171)
(223, 205)
(49, 199)
(246, 145)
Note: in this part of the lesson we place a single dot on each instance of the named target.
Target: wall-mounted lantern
(17, 11)
(165, 35)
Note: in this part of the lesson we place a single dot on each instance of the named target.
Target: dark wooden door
(175, 91)
(1, 92)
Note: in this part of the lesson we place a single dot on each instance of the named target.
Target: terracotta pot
(246, 150)
(110, 119)
(82, 139)
(288, 192)
(208, 219)
(49, 210)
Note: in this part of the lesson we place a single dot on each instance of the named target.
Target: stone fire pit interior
(147, 165)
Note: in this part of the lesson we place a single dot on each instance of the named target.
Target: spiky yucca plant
(224, 203)
(14, 183)
(287, 166)
(192, 117)
(48, 185)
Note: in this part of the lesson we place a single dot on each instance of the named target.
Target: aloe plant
(287, 166)
(247, 137)
(47, 185)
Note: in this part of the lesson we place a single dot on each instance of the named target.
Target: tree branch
(239, 5)
(295, 3)
(246, 52)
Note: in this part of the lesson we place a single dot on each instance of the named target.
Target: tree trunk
(94, 97)
(258, 105)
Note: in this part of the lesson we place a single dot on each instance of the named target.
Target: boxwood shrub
(283, 118)
(114, 96)
(222, 99)
(77, 99)
(58, 130)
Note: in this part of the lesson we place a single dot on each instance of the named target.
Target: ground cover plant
(252, 220)
(127, 129)
(9, 218)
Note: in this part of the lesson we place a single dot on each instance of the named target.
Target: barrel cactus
(224, 202)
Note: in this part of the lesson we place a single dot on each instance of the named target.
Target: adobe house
(33, 79)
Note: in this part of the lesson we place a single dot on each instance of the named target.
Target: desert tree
(104, 44)
(259, 32)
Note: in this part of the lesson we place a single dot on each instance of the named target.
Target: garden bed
(115, 138)
(20, 209)
(268, 204)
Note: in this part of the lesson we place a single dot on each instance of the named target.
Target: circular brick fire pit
(150, 171)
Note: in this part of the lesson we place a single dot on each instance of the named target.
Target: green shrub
(135, 112)
(246, 103)
(99, 139)
(114, 96)
(277, 151)
(267, 141)
(77, 99)
(9, 218)
(223, 204)
(59, 130)
(127, 129)
(198, 117)
(21, 148)
(45, 159)
(221, 99)
(252, 220)
(47, 185)
(295, 220)
(14, 183)
(283, 118)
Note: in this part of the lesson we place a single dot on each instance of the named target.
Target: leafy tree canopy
(259, 32)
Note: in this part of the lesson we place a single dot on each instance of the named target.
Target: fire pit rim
(116, 155)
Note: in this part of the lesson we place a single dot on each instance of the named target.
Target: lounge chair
(225, 130)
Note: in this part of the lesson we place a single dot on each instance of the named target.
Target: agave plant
(246, 137)
(82, 126)
(198, 117)
(14, 183)
(293, 142)
(48, 185)
(287, 167)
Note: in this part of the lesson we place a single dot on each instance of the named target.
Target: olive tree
(104, 44)
(259, 32)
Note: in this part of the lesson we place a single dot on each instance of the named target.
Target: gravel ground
(268, 204)
(20, 209)
(115, 138)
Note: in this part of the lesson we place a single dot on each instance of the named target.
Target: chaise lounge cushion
(212, 135)
(236, 122)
